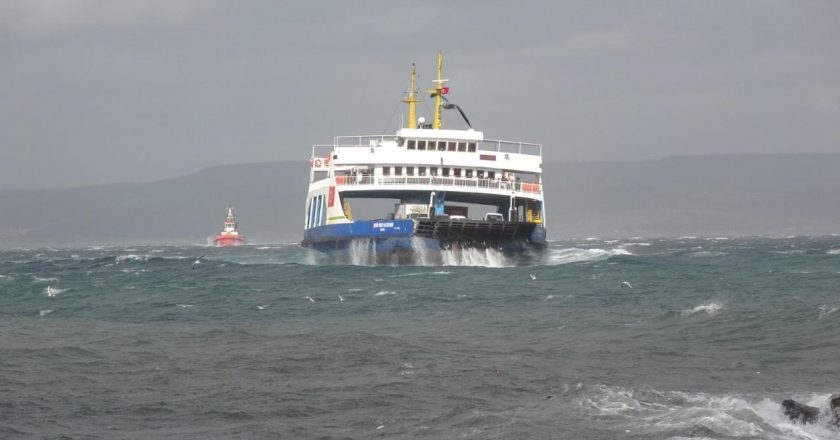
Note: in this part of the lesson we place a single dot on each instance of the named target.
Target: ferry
(229, 235)
(441, 188)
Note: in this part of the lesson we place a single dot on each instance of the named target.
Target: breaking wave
(555, 257)
(674, 414)
(711, 308)
(52, 291)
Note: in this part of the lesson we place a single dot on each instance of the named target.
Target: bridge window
(469, 174)
(491, 174)
(421, 145)
(433, 171)
(421, 171)
(479, 174)
(386, 171)
(457, 172)
(462, 146)
(412, 144)
(445, 172)
(431, 146)
(398, 171)
(409, 171)
(441, 145)
(471, 147)
(451, 146)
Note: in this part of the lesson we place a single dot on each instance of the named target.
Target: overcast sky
(107, 91)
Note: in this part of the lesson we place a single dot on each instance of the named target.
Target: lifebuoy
(317, 163)
(327, 161)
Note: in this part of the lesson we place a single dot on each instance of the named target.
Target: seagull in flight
(626, 284)
(262, 307)
(533, 277)
(340, 298)
(197, 261)
(309, 298)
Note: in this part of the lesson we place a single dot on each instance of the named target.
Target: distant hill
(774, 195)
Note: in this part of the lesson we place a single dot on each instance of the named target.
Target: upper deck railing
(360, 180)
(500, 146)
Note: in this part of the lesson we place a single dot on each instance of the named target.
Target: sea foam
(711, 308)
(555, 257)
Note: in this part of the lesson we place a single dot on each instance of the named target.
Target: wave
(133, 257)
(825, 311)
(833, 252)
(555, 257)
(385, 292)
(707, 254)
(44, 280)
(415, 274)
(675, 414)
(711, 308)
(52, 291)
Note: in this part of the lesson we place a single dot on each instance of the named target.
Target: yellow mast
(412, 100)
(438, 90)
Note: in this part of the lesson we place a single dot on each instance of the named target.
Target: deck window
(309, 215)
(457, 172)
(451, 146)
(462, 146)
(469, 174)
(479, 174)
(433, 171)
(386, 171)
(441, 145)
(412, 144)
(471, 147)
(421, 171)
(445, 172)
(431, 145)
(398, 171)
(421, 145)
(409, 171)
(491, 174)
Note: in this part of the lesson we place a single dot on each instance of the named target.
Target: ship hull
(407, 241)
(229, 241)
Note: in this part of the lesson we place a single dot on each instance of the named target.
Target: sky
(98, 92)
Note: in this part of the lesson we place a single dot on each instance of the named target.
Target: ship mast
(412, 100)
(437, 92)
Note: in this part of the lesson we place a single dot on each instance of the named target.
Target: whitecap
(353, 289)
(577, 255)
(45, 312)
(708, 254)
(826, 310)
(833, 252)
(131, 257)
(711, 308)
(184, 305)
(52, 291)
(44, 280)
(657, 413)
(385, 292)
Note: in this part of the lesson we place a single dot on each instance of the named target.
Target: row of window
(316, 213)
(414, 144)
(444, 171)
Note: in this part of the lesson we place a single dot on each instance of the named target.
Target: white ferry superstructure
(435, 176)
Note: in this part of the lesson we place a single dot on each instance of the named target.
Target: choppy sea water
(273, 342)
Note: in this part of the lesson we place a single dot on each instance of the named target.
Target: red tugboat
(229, 236)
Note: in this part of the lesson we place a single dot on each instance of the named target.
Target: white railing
(437, 181)
(498, 146)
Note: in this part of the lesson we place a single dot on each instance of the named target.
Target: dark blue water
(273, 342)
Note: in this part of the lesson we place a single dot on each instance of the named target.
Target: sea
(637, 338)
